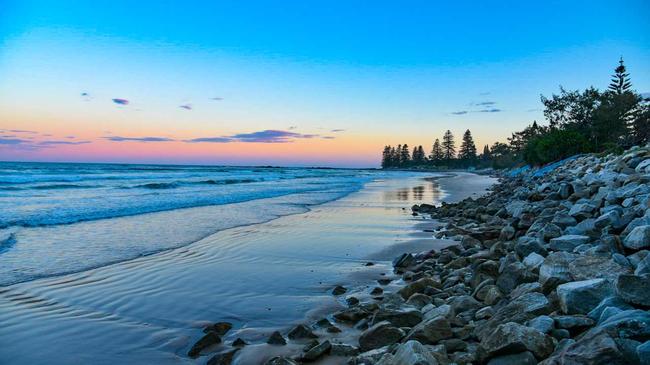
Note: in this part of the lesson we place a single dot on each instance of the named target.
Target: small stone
(276, 339)
(301, 332)
(352, 301)
(220, 328)
(418, 286)
(638, 239)
(484, 313)
(377, 291)
(339, 290)
(609, 302)
(543, 324)
(317, 351)
(418, 300)
(207, 340)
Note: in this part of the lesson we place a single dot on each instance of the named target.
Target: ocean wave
(160, 185)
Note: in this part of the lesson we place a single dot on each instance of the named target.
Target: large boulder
(582, 211)
(514, 274)
(408, 317)
(527, 244)
(555, 270)
(600, 349)
(379, 335)
(568, 242)
(413, 353)
(593, 267)
(512, 338)
(580, 297)
(418, 286)
(519, 310)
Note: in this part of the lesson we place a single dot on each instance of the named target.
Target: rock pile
(550, 268)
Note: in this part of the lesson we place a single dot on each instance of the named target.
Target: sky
(294, 83)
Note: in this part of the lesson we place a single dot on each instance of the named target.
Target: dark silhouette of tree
(641, 124)
(467, 151)
(404, 156)
(422, 157)
(486, 155)
(448, 146)
(620, 79)
(436, 152)
(418, 156)
(386, 161)
(394, 157)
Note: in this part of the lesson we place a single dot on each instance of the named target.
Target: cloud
(121, 101)
(186, 106)
(485, 103)
(292, 127)
(265, 136)
(460, 112)
(21, 131)
(216, 98)
(70, 137)
(337, 130)
(492, 110)
(12, 141)
(484, 93)
(328, 137)
(138, 139)
(53, 143)
(534, 110)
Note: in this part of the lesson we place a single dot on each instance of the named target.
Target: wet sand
(260, 277)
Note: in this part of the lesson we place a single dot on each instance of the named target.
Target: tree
(394, 157)
(404, 156)
(418, 155)
(386, 158)
(436, 152)
(422, 158)
(620, 79)
(448, 146)
(487, 155)
(467, 149)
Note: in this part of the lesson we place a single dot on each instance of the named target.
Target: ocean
(58, 218)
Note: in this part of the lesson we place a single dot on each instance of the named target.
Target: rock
(634, 289)
(525, 288)
(418, 286)
(533, 261)
(441, 311)
(507, 233)
(522, 358)
(513, 275)
(594, 350)
(220, 328)
(224, 358)
(238, 342)
(317, 351)
(484, 313)
(580, 297)
(643, 267)
(280, 360)
(568, 242)
(418, 300)
(339, 290)
(638, 239)
(377, 291)
(454, 345)
(520, 310)
(565, 190)
(611, 218)
(550, 231)
(582, 210)
(276, 339)
(413, 353)
(379, 335)
(555, 270)
(564, 220)
(431, 331)
(462, 303)
(543, 324)
(593, 267)
(209, 339)
(404, 260)
(609, 302)
(512, 338)
(573, 322)
(301, 332)
(338, 349)
(527, 245)
(398, 318)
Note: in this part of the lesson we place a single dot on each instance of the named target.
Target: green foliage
(555, 145)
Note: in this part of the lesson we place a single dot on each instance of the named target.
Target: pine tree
(620, 79)
(436, 152)
(394, 158)
(414, 155)
(486, 156)
(405, 156)
(467, 150)
(448, 146)
(421, 156)
(386, 158)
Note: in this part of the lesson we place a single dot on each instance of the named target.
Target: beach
(261, 276)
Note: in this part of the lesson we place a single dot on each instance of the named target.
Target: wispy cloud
(186, 106)
(216, 98)
(485, 103)
(328, 137)
(54, 143)
(337, 130)
(265, 136)
(460, 112)
(121, 101)
(534, 110)
(138, 139)
(12, 141)
(491, 110)
(22, 131)
(485, 93)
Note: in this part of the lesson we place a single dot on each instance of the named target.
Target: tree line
(578, 122)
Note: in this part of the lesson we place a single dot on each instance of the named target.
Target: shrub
(554, 146)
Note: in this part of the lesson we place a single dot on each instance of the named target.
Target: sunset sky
(297, 83)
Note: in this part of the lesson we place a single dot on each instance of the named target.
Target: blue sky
(385, 72)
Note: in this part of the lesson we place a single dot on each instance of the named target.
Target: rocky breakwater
(551, 267)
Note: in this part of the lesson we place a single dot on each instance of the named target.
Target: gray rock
(634, 289)
(513, 275)
(555, 270)
(413, 353)
(609, 302)
(220, 328)
(611, 218)
(209, 339)
(533, 261)
(643, 352)
(507, 233)
(418, 286)
(543, 324)
(526, 245)
(600, 349)
(379, 335)
(573, 322)
(405, 260)
(564, 220)
(643, 267)
(592, 267)
(580, 297)
(224, 358)
(582, 210)
(510, 338)
(520, 310)
(301, 332)
(525, 288)
(568, 242)
(408, 317)
(317, 351)
(463, 303)
(431, 331)
(276, 339)
(343, 350)
(418, 300)
(484, 313)
(522, 358)
(638, 239)
(339, 290)
(280, 360)
(550, 231)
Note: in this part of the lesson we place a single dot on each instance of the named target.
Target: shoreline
(552, 269)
